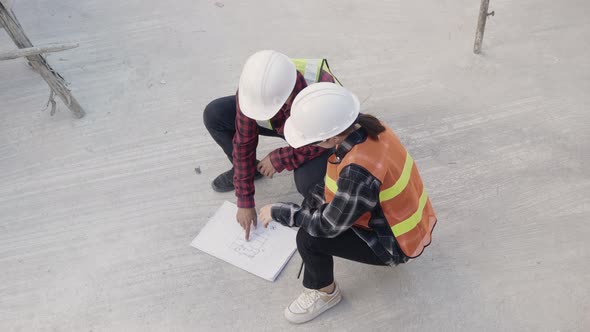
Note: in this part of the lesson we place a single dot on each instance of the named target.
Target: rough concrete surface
(97, 214)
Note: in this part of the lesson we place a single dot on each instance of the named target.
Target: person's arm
(316, 197)
(244, 158)
(358, 193)
(289, 158)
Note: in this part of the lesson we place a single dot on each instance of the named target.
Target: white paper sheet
(265, 254)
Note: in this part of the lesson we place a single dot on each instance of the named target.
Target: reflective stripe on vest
(410, 217)
(388, 193)
(264, 124)
(401, 183)
(409, 224)
(309, 68)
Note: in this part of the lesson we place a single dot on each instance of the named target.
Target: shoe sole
(299, 320)
(219, 190)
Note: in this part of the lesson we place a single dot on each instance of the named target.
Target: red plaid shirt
(246, 140)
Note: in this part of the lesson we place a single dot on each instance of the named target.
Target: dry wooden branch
(7, 3)
(24, 52)
(38, 62)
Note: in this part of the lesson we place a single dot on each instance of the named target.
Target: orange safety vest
(402, 196)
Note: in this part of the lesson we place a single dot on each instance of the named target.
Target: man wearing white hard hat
(373, 207)
(268, 84)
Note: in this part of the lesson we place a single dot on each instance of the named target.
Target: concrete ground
(97, 214)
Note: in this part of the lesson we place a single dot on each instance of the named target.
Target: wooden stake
(55, 81)
(24, 52)
(7, 4)
(481, 25)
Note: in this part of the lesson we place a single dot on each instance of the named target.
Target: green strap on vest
(312, 68)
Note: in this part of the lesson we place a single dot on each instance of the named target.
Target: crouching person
(373, 207)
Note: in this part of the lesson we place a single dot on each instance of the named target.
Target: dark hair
(370, 123)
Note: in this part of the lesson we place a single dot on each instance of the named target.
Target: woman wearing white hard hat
(373, 207)
(268, 84)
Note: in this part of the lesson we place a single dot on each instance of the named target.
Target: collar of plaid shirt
(356, 137)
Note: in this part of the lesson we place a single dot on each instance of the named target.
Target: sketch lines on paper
(252, 247)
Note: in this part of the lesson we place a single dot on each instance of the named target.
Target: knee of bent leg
(303, 239)
(300, 238)
(210, 114)
(302, 183)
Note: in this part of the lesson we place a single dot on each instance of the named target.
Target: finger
(254, 222)
(247, 228)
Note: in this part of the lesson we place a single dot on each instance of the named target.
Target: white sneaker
(310, 304)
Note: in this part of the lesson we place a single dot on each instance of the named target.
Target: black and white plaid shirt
(358, 192)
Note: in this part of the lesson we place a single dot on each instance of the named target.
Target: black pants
(220, 120)
(317, 254)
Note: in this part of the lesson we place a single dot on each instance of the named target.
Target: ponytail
(371, 124)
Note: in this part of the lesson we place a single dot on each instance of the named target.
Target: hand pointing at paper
(246, 217)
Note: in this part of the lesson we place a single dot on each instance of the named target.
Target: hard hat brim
(296, 139)
(260, 112)
(266, 82)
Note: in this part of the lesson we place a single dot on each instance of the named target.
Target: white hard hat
(319, 112)
(267, 80)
